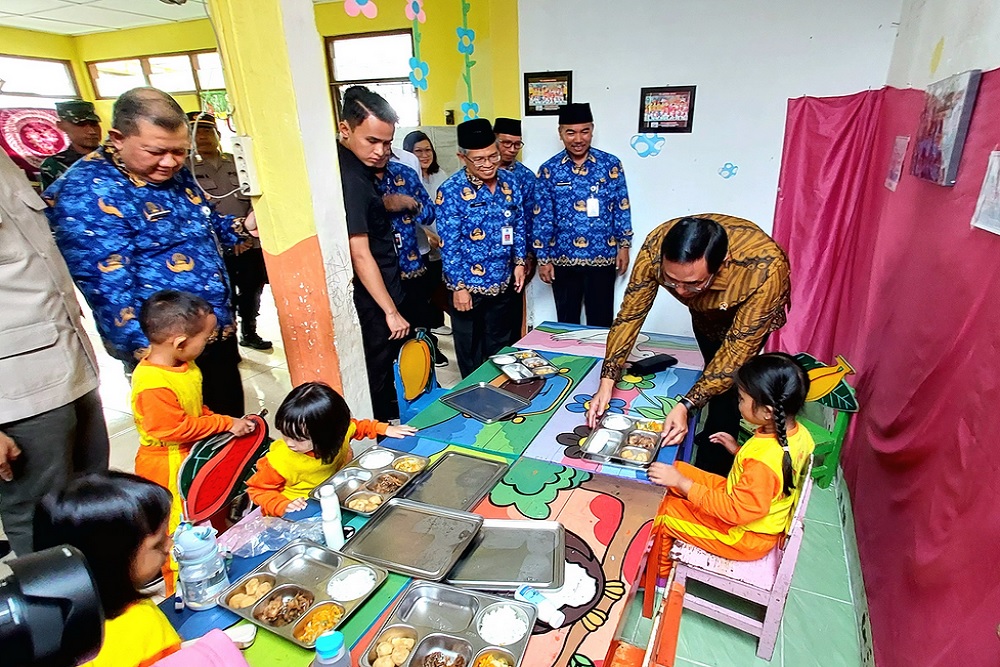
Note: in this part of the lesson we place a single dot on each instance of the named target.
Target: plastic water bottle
(330, 651)
(201, 569)
(333, 528)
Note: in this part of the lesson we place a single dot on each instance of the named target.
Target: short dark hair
(359, 103)
(691, 239)
(106, 515)
(314, 411)
(414, 138)
(149, 104)
(169, 313)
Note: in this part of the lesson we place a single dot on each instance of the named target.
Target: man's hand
(242, 426)
(675, 426)
(726, 440)
(621, 261)
(462, 300)
(398, 326)
(9, 452)
(250, 224)
(547, 273)
(296, 505)
(518, 278)
(396, 203)
(599, 402)
(433, 240)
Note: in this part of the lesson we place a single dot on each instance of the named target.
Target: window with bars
(177, 73)
(379, 61)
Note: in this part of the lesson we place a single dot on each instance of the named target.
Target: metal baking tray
(445, 619)
(509, 553)
(456, 481)
(524, 365)
(414, 539)
(485, 402)
(356, 480)
(624, 440)
(306, 568)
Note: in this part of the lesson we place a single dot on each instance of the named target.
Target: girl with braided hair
(742, 516)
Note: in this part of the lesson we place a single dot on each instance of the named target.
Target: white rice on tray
(502, 626)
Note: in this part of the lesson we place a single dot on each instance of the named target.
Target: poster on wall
(545, 93)
(944, 124)
(896, 162)
(666, 109)
(987, 214)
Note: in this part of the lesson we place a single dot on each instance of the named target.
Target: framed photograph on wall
(666, 109)
(545, 93)
(943, 125)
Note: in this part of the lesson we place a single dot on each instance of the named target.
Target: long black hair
(776, 381)
(414, 138)
(314, 411)
(107, 516)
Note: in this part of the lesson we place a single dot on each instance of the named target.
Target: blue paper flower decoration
(647, 145)
(418, 73)
(728, 170)
(466, 40)
(470, 110)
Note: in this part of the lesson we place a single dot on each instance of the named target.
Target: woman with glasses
(734, 279)
(432, 176)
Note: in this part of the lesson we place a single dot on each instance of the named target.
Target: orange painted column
(276, 78)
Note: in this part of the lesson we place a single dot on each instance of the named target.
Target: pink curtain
(900, 284)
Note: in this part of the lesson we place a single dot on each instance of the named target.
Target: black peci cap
(476, 133)
(576, 113)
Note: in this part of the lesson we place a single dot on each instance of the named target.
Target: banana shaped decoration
(828, 384)
(825, 379)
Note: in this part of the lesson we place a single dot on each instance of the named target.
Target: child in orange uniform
(742, 516)
(166, 392)
(318, 428)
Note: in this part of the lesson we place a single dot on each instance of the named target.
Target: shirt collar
(473, 179)
(568, 158)
(111, 153)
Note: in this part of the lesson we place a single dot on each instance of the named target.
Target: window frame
(144, 64)
(69, 68)
(335, 84)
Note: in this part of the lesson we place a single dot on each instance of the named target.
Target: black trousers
(484, 330)
(437, 293)
(55, 445)
(247, 276)
(418, 309)
(592, 287)
(380, 352)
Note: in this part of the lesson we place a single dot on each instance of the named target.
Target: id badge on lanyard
(593, 204)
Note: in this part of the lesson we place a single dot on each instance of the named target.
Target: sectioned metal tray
(300, 568)
(509, 553)
(446, 620)
(624, 440)
(358, 480)
(414, 539)
(456, 481)
(524, 365)
(485, 402)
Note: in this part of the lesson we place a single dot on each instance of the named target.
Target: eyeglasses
(483, 161)
(516, 145)
(689, 286)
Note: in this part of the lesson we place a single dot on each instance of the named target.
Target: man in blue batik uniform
(583, 228)
(508, 133)
(481, 222)
(129, 220)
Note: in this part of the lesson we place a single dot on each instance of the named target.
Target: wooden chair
(765, 581)
(416, 382)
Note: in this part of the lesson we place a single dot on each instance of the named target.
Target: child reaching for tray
(317, 427)
(742, 517)
(119, 522)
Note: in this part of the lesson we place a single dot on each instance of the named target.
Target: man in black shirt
(366, 129)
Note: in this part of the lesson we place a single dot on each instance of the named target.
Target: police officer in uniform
(83, 127)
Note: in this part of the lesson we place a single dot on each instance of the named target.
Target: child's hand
(663, 474)
(726, 440)
(400, 431)
(296, 505)
(242, 426)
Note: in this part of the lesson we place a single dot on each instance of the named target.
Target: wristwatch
(688, 404)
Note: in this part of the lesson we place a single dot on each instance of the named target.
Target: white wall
(968, 32)
(746, 58)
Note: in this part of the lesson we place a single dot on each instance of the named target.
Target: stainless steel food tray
(456, 481)
(414, 539)
(356, 479)
(485, 402)
(300, 567)
(610, 442)
(524, 365)
(446, 619)
(509, 553)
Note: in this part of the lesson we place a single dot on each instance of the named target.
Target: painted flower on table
(418, 73)
(629, 381)
(573, 442)
(466, 41)
(581, 403)
(415, 10)
(470, 110)
(365, 7)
